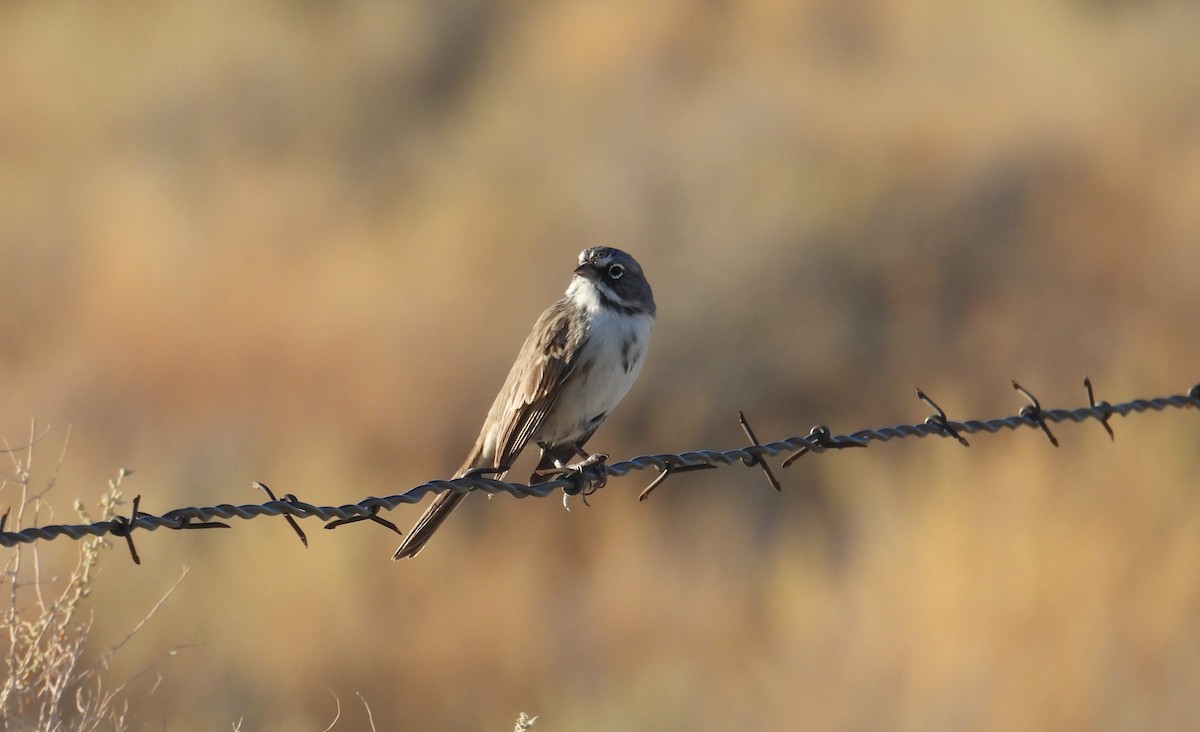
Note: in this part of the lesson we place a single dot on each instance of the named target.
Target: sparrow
(580, 360)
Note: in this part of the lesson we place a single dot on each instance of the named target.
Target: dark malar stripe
(626, 309)
(620, 307)
(609, 300)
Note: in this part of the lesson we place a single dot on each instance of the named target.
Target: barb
(1102, 406)
(940, 420)
(758, 459)
(1034, 411)
(823, 437)
(124, 527)
(667, 472)
(290, 498)
(818, 440)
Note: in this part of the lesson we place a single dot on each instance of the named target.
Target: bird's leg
(555, 464)
(554, 461)
(588, 461)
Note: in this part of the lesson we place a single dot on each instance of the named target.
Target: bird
(581, 358)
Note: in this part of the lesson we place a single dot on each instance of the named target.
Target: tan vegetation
(302, 243)
(48, 684)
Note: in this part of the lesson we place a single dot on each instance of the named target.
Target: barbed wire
(585, 479)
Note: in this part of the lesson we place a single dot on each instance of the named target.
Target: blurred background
(301, 243)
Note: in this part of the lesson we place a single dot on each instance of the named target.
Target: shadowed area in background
(302, 244)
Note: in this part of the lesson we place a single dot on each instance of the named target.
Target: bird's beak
(587, 271)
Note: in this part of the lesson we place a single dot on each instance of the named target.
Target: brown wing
(546, 361)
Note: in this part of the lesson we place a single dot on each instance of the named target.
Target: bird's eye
(615, 271)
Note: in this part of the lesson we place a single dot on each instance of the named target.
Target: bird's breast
(607, 366)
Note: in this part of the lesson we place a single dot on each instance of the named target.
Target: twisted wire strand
(818, 440)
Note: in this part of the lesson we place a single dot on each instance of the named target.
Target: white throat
(591, 295)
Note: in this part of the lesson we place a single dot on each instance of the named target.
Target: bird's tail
(437, 511)
(428, 523)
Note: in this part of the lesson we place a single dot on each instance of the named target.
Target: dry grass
(51, 680)
(300, 244)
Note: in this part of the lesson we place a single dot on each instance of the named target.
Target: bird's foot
(584, 486)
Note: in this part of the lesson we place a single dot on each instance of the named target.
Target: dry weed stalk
(47, 685)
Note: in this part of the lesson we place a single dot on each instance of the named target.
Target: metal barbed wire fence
(586, 479)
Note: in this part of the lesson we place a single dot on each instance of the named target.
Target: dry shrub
(50, 682)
